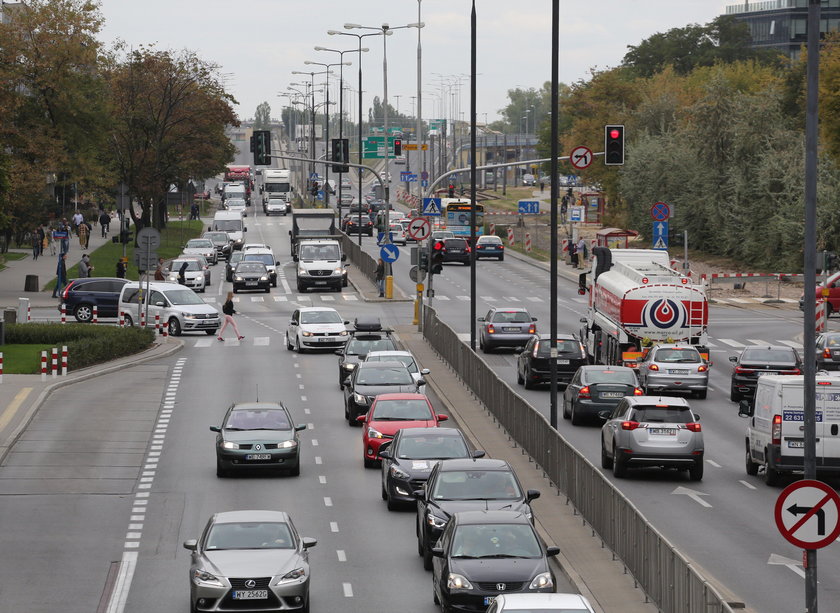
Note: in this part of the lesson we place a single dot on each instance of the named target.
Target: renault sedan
(250, 561)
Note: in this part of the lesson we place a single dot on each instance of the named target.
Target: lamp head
(351, 26)
(365, 49)
(317, 48)
(333, 32)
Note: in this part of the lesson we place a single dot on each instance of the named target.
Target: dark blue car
(489, 247)
(81, 295)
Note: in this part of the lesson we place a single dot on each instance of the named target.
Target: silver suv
(652, 431)
(674, 368)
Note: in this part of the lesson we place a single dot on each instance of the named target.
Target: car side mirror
(295, 258)
(419, 494)
(215, 429)
(277, 263)
(697, 417)
(733, 359)
(582, 320)
(533, 319)
(160, 304)
(437, 552)
(361, 418)
(343, 257)
(191, 544)
(244, 229)
(300, 427)
(346, 323)
(383, 453)
(604, 415)
(421, 381)
(292, 322)
(480, 319)
(308, 542)
(552, 551)
(425, 371)
(443, 417)
(346, 381)
(478, 453)
(532, 495)
(744, 409)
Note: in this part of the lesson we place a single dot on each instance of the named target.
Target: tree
(531, 103)
(262, 117)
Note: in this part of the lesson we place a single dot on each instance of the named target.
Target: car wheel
(298, 348)
(305, 608)
(127, 320)
(300, 288)
(734, 396)
(83, 313)
(771, 475)
(267, 290)
(501, 258)
(576, 418)
(702, 394)
(695, 473)
(370, 463)
(565, 407)
(174, 327)
(519, 378)
(220, 472)
(383, 492)
(288, 344)
(427, 558)
(619, 466)
(606, 461)
(435, 597)
(235, 291)
(295, 472)
(752, 467)
(529, 385)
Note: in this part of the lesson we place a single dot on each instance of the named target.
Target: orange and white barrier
(43, 366)
(528, 242)
(510, 237)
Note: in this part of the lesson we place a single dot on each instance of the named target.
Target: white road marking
(464, 336)
(348, 590)
(306, 411)
(792, 344)
(746, 484)
(350, 297)
(441, 297)
(314, 442)
(204, 342)
(322, 479)
(327, 501)
(333, 526)
(512, 299)
(301, 386)
(342, 557)
(534, 299)
(303, 398)
(489, 298)
(731, 343)
(464, 298)
(310, 426)
(262, 341)
(713, 463)
(758, 341)
(304, 298)
(286, 288)
(318, 459)
(280, 299)
(119, 595)
(328, 298)
(236, 299)
(257, 298)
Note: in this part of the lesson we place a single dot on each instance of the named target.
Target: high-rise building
(782, 24)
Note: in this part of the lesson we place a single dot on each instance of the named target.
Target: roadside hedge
(86, 344)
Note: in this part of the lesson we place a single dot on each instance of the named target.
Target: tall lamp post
(341, 53)
(312, 126)
(359, 37)
(327, 151)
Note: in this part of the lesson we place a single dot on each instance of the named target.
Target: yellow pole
(389, 286)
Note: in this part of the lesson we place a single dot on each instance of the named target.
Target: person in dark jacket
(229, 311)
(104, 223)
(182, 273)
(380, 277)
(60, 275)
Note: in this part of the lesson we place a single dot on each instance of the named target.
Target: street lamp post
(312, 126)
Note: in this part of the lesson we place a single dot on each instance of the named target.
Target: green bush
(86, 344)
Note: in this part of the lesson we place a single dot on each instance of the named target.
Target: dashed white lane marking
(303, 398)
(350, 297)
(731, 343)
(328, 298)
(333, 526)
(236, 299)
(257, 298)
(342, 557)
(489, 298)
(310, 426)
(327, 501)
(298, 375)
(314, 442)
(348, 590)
(442, 297)
(746, 484)
(262, 341)
(281, 298)
(307, 411)
(464, 298)
(318, 459)
(301, 298)
(301, 386)
(322, 479)
(713, 463)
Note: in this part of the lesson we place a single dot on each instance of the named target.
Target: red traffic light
(615, 133)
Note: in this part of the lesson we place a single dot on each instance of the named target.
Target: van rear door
(792, 408)
(828, 420)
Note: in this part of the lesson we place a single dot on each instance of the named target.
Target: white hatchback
(316, 328)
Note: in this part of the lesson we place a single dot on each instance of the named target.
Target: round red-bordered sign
(581, 157)
(660, 211)
(808, 514)
(419, 229)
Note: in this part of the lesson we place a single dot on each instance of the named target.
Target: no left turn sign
(419, 229)
(808, 514)
(580, 157)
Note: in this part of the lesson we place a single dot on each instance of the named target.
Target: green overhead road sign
(391, 130)
(373, 147)
(438, 124)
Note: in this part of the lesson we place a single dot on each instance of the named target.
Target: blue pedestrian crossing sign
(389, 253)
(660, 235)
(431, 207)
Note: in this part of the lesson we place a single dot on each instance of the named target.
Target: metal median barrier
(363, 261)
(664, 574)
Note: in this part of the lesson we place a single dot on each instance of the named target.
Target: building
(782, 24)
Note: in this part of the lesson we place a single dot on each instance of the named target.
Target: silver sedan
(674, 368)
(250, 561)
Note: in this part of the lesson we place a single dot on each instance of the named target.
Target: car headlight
(359, 399)
(543, 580)
(188, 315)
(343, 333)
(202, 577)
(294, 575)
(458, 582)
(305, 333)
(302, 273)
(338, 271)
(374, 433)
(435, 521)
(237, 278)
(349, 365)
(398, 473)
(291, 443)
(263, 278)
(229, 445)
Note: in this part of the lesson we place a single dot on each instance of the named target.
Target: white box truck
(775, 437)
(277, 184)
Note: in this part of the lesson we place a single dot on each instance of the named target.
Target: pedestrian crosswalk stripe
(210, 299)
(204, 342)
(710, 345)
(261, 341)
(236, 299)
(731, 343)
(304, 298)
(465, 298)
(512, 299)
(233, 342)
(758, 341)
(280, 299)
(792, 344)
(534, 299)
(257, 299)
(442, 297)
(350, 297)
(489, 298)
(328, 298)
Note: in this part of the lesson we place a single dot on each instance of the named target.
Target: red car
(392, 412)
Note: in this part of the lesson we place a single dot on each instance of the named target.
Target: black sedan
(486, 553)
(757, 361)
(251, 276)
(233, 260)
(356, 349)
(598, 388)
(369, 379)
(465, 485)
(533, 365)
(351, 224)
(409, 458)
(257, 435)
(456, 250)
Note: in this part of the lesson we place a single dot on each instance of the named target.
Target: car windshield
(183, 296)
(236, 257)
(217, 237)
(476, 485)
(677, 355)
(405, 359)
(250, 267)
(626, 377)
(250, 535)
(489, 240)
(258, 419)
(319, 252)
(495, 541)
(564, 346)
(192, 265)
(199, 243)
(402, 410)
(276, 202)
(384, 376)
(768, 355)
(666, 414)
(429, 446)
(320, 317)
(265, 258)
(511, 317)
(228, 225)
(362, 346)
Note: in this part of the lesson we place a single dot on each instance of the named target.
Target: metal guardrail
(363, 261)
(663, 573)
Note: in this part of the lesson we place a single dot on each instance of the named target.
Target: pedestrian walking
(229, 312)
(194, 211)
(85, 269)
(84, 234)
(182, 273)
(380, 277)
(36, 244)
(77, 220)
(121, 267)
(542, 186)
(581, 253)
(159, 276)
(104, 223)
(60, 275)
(573, 253)
(564, 208)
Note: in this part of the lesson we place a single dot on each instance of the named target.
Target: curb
(29, 414)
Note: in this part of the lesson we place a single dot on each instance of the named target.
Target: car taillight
(792, 371)
(653, 367)
(66, 291)
(469, 249)
(501, 246)
(491, 329)
(532, 329)
(479, 246)
(584, 392)
(744, 371)
(629, 425)
(826, 352)
(638, 392)
(702, 368)
(693, 426)
(776, 432)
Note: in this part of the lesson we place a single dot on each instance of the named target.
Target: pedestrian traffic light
(614, 145)
(262, 148)
(397, 146)
(451, 190)
(423, 260)
(340, 153)
(315, 187)
(436, 265)
(125, 237)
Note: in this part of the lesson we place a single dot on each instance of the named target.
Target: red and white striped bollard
(142, 319)
(528, 242)
(122, 319)
(492, 230)
(63, 313)
(157, 322)
(95, 314)
(43, 366)
(28, 312)
(510, 237)
(1, 367)
(820, 318)
(54, 362)
(64, 360)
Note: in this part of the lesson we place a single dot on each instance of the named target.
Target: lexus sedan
(486, 553)
(249, 561)
(257, 435)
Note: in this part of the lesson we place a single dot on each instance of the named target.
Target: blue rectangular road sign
(529, 207)
(412, 177)
(431, 207)
(404, 176)
(660, 235)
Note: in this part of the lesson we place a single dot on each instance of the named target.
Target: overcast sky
(258, 43)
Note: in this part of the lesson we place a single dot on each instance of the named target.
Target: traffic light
(397, 146)
(340, 153)
(423, 260)
(262, 148)
(314, 190)
(451, 190)
(436, 265)
(125, 237)
(614, 145)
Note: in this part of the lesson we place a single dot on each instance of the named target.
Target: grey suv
(652, 431)
(674, 368)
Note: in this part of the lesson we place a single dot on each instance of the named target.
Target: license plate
(796, 444)
(325, 339)
(678, 371)
(612, 394)
(562, 361)
(761, 374)
(511, 329)
(665, 431)
(488, 600)
(320, 282)
(251, 283)
(454, 251)
(258, 456)
(250, 594)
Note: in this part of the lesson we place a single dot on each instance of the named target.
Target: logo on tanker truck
(658, 319)
(665, 314)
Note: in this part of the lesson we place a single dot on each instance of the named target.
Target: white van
(232, 223)
(179, 307)
(775, 436)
